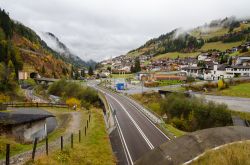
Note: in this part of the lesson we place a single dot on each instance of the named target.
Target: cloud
(98, 29)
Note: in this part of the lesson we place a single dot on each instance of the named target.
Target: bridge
(44, 80)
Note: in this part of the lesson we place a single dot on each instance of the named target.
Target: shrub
(190, 79)
(73, 101)
(221, 84)
(191, 114)
(67, 90)
(151, 84)
(29, 82)
(4, 98)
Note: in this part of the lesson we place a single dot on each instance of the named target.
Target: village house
(241, 60)
(193, 71)
(239, 70)
(24, 127)
(217, 72)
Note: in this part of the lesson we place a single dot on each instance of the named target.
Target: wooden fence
(30, 104)
(70, 141)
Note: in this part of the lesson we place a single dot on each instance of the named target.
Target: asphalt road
(233, 103)
(138, 134)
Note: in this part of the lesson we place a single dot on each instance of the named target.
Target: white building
(240, 60)
(218, 72)
(243, 71)
(193, 71)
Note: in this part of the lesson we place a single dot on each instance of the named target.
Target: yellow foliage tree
(72, 102)
(221, 84)
(4, 98)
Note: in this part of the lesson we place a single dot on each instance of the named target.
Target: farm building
(24, 127)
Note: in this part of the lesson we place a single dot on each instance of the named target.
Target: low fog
(95, 29)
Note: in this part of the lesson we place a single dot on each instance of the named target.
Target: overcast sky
(99, 29)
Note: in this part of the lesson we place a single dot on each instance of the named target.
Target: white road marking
(150, 122)
(133, 121)
(143, 114)
(125, 147)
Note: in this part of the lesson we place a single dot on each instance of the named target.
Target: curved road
(138, 134)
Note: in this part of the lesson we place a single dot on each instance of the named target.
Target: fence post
(34, 149)
(61, 143)
(7, 154)
(72, 141)
(87, 124)
(37, 104)
(85, 130)
(47, 146)
(79, 136)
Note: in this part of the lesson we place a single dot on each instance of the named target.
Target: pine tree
(137, 65)
(90, 71)
(230, 61)
(43, 70)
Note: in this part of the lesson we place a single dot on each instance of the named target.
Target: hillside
(220, 34)
(33, 52)
(54, 42)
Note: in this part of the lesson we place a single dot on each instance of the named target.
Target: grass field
(93, 149)
(175, 55)
(134, 54)
(214, 32)
(169, 82)
(240, 90)
(233, 154)
(219, 45)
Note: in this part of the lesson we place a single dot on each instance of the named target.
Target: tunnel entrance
(33, 75)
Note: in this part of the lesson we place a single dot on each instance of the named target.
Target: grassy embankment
(153, 102)
(94, 148)
(233, 154)
(63, 119)
(240, 90)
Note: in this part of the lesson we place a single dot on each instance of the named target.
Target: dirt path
(74, 126)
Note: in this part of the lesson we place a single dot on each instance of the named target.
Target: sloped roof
(14, 119)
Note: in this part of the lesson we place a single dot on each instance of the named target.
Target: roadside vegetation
(187, 113)
(73, 93)
(93, 149)
(232, 154)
